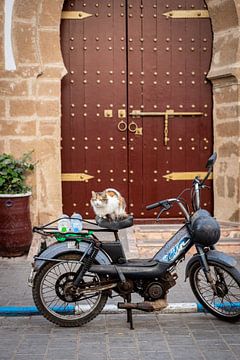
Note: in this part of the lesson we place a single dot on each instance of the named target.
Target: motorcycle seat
(114, 225)
(140, 263)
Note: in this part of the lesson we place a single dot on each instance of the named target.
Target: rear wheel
(224, 300)
(59, 301)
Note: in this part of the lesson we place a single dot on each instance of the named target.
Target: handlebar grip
(164, 203)
(153, 206)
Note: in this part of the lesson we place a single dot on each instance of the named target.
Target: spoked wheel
(224, 300)
(62, 303)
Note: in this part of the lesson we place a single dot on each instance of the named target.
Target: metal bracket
(108, 113)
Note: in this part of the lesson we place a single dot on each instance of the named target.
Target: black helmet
(205, 229)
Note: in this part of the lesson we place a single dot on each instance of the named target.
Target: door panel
(129, 56)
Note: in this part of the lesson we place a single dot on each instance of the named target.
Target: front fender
(212, 255)
(53, 251)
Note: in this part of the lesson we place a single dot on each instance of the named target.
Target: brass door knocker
(132, 127)
(122, 125)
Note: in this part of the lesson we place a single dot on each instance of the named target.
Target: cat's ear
(93, 194)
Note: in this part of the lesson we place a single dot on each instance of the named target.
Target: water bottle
(76, 223)
(64, 224)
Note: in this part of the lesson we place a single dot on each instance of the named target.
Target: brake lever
(160, 213)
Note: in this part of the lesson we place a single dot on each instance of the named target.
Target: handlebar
(167, 204)
(163, 203)
(198, 184)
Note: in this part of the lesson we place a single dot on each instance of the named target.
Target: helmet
(205, 229)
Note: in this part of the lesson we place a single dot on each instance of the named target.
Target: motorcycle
(73, 278)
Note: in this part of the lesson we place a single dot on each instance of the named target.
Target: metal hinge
(76, 177)
(75, 15)
(187, 14)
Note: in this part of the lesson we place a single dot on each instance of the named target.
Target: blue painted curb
(172, 308)
(236, 305)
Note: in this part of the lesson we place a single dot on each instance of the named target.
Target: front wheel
(59, 301)
(223, 300)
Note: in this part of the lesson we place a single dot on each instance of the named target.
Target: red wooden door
(136, 102)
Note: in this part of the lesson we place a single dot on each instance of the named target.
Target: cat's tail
(114, 190)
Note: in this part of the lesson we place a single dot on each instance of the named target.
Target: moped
(73, 278)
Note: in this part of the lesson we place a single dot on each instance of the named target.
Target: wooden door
(137, 107)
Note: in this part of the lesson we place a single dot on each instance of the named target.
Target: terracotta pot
(15, 224)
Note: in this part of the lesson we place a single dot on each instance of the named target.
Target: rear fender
(212, 255)
(57, 249)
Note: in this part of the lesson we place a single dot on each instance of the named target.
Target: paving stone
(155, 355)
(219, 355)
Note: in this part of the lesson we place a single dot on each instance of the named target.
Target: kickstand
(129, 313)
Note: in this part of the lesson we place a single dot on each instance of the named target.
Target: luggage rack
(102, 225)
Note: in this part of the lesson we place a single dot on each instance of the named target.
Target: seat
(114, 225)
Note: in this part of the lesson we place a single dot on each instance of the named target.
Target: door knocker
(122, 125)
(132, 127)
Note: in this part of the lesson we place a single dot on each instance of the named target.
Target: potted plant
(15, 223)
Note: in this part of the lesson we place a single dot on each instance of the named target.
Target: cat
(109, 204)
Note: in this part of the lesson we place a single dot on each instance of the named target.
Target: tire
(56, 303)
(224, 303)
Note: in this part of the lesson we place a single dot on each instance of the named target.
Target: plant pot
(15, 224)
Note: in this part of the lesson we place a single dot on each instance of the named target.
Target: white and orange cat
(109, 204)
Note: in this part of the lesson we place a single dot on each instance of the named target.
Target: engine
(154, 290)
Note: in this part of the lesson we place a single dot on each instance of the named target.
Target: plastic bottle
(64, 224)
(76, 223)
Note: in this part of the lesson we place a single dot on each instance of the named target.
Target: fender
(214, 255)
(53, 251)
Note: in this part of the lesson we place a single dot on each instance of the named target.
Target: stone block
(228, 94)
(223, 14)
(227, 149)
(24, 43)
(51, 13)
(50, 47)
(17, 128)
(2, 108)
(48, 88)
(48, 108)
(1, 52)
(228, 129)
(51, 128)
(22, 107)
(227, 112)
(13, 87)
(17, 147)
(2, 146)
(54, 72)
(26, 9)
(225, 50)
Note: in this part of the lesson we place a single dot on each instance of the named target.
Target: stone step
(150, 238)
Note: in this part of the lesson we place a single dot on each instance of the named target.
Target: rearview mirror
(211, 161)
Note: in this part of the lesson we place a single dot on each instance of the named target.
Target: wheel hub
(65, 289)
(221, 289)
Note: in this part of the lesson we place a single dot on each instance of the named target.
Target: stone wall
(30, 101)
(225, 76)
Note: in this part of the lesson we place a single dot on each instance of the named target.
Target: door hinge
(187, 14)
(190, 175)
(76, 177)
(75, 15)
